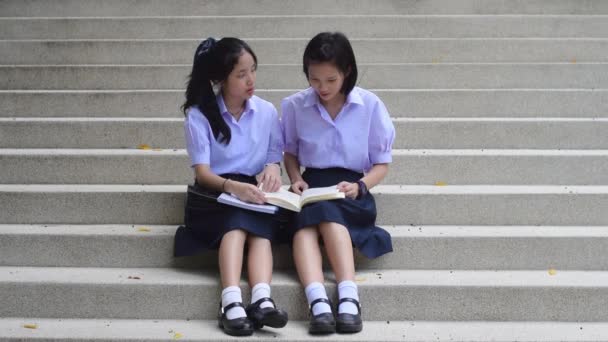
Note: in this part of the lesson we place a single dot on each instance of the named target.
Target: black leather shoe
(322, 323)
(241, 326)
(271, 317)
(349, 323)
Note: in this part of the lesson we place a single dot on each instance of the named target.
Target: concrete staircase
(497, 199)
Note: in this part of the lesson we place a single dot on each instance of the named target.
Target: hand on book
(247, 192)
(351, 190)
(299, 186)
(270, 178)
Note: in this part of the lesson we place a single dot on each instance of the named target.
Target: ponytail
(199, 91)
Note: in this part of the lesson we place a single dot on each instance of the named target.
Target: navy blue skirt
(206, 221)
(357, 215)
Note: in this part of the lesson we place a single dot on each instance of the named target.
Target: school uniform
(256, 140)
(340, 150)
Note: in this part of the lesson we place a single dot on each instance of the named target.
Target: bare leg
(309, 263)
(259, 260)
(307, 256)
(338, 246)
(340, 253)
(259, 266)
(231, 257)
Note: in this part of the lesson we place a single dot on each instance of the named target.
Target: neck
(337, 101)
(334, 105)
(234, 106)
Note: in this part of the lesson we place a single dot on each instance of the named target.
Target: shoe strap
(262, 300)
(350, 300)
(230, 306)
(320, 300)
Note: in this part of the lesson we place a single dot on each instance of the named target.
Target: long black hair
(333, 47)
(213, 62)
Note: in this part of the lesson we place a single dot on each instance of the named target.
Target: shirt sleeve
(275, 146)
(197, 131)
(288, 127)
(382, 135)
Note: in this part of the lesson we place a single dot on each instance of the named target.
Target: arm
(270, 178)
(244, 191)
(290, 137)
(198, 144)
(293, 171)
(381, 138)
(375, 175)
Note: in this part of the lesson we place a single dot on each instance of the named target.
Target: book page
(320, 194)
(284, 198)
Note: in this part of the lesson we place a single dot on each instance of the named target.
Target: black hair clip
(205, 46)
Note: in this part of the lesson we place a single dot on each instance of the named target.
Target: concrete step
(424, 103)
(164, 293)
(385, 76)
(415, 247)
(497, 133)
(397, 204)
(125, 330)
(270, 50)
(306, 26)
(414, 167)
(92, 8)
(413, 133)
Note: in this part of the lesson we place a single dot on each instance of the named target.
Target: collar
(250, 106)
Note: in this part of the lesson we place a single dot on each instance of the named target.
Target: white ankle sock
(259, 291)
(313, 292)
(230, 295)
(348, 289)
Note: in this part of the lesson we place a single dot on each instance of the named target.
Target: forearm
(208, 179)
(375, 175)
(292, 166)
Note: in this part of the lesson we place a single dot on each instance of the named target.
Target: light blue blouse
(256, 139)
(361, 135)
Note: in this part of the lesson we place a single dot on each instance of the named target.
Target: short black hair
(335, 48)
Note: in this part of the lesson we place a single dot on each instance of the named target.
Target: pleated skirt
(357, 215)
(206, 221)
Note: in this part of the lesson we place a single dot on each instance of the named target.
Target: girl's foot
(267, 315)
(240, 326)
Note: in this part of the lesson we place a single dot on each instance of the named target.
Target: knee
(235, 235)
(253, 240)
(307, 233)
(331, 229)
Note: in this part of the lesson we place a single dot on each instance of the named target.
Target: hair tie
(205, 47)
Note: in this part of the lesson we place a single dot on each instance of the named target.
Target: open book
(294, 202)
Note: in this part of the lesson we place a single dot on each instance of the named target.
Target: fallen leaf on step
(440, 183)
(177, 336)
(136, 278)
(552, 271)
(573, 61)
(143, 229)
(30, 326)
(144, 147)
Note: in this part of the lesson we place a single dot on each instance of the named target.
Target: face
(240, 83)
(326, 79)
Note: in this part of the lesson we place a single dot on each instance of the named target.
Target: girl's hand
(270, 178)
(350, 190)
(247, 192)
(299, 186)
